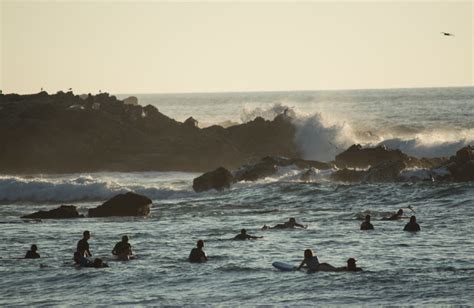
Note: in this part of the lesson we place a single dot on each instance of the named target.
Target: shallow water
(434, 266)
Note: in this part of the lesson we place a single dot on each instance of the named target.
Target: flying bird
(447, 34)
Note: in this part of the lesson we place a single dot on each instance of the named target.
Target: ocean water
(434, 266)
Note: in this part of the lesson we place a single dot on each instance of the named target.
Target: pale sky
(158, 47)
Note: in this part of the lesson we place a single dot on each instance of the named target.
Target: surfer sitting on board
(123, 249)
(32, 254)
(412, 226)
(244, 236)
(313, 264)
(82, 251)
(290, 224)
(198, 255)
(366, 225)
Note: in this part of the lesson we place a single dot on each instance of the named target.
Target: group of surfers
(411, 226)
(123, 250)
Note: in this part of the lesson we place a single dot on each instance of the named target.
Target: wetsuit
(122, 248)
(82, 246)
(412, 227)
(366, 226)
(31, 255)
(197, 255)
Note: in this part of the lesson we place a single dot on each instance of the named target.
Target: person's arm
(300, 225)
(88, 253)
(114, 251)
(301, 265)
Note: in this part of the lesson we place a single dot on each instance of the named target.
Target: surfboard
(282, 266)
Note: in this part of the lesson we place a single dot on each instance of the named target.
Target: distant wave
(17, 189)
(321, 137)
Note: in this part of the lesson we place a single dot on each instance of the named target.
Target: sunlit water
(434, 266)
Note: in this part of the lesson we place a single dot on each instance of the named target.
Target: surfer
(290, 224)
(412, 225)
(312, 262)
(123, 249)
(366, 225)
(395, 216)
(351, 266)
(198, 255)
(32, 254)
(244, 236)
(82, 251)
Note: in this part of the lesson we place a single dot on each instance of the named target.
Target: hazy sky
(125, 47)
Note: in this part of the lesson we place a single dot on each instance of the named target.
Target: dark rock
(386, 171)
(40, 133)
(62, 212)
(191, 122)
(129, 204)
(347, 175)
(255, 172)
(218, 179)
(461, 165)
(358, 157)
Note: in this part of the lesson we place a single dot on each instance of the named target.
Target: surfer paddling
(244, 236)
(290, 224)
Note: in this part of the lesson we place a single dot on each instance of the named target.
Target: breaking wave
(18, 189)
(320, 136)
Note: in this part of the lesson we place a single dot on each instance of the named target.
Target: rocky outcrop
(269, 166)
(129, 204)
(386, 171)
(358, 157)
(41, 133)
(218, 179)
(347, 175)
(62, 212)
(461, 165)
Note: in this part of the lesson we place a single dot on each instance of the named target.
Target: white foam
(82, 188)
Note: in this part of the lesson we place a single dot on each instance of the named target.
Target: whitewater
(432, 267)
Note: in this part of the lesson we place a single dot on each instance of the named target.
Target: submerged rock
(62, 212)
(129, 204)
(218, 179)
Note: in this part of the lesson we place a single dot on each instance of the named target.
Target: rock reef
(62, 212)
(63, 132)
(129, 204)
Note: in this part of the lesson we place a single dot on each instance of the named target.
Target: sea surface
(431, 267)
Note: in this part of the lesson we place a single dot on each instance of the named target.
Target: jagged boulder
(347, 175)
(131, 100)
(357, 157)
(62, 212)
(258, 171)
(129, 204)
(218, 179)
(386, 171)
(461, 165)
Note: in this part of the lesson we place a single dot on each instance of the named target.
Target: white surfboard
(282, 266)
